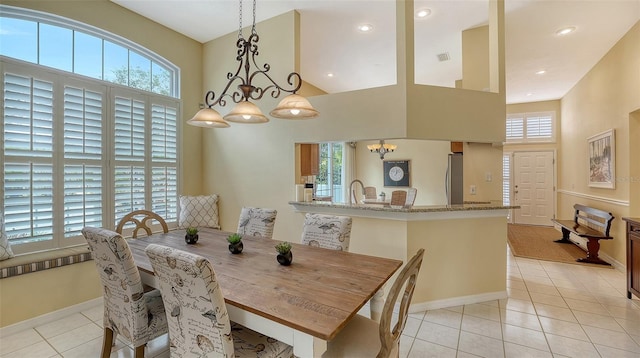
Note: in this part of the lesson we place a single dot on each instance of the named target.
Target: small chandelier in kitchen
(382, 148)
(292, 106)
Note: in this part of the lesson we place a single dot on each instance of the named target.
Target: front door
(533, 188)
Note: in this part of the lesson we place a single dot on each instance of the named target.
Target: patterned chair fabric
(199, 324)
(327, 231)
(128, 310)
(5, 247)
(257, 222)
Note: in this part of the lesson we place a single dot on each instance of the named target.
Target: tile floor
(553, 310)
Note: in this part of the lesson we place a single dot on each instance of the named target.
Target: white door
(533, 188)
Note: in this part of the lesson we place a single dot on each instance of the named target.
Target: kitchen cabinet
(309, 159)
(456, 147)
(633, 256)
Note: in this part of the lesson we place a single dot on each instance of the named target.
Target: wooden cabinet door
(633, 257)
(309, 159)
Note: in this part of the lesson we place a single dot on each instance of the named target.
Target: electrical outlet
(472, 189)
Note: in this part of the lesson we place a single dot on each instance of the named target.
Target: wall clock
(396, 173)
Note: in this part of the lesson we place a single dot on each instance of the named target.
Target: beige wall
(34, 294)
(476, 243)
(252, 165)
(604, 99)
(482, 168)
(475, 58)
(21, 297)
(428, 167)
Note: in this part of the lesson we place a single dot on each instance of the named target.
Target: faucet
(351, 193)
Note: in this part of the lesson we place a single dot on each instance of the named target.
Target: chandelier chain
(240, 16)
(253, 27)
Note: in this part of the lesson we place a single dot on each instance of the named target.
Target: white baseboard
(49, 317)
(582, 243)
(457, 301)
(614, 263)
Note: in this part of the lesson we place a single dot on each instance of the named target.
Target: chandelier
(292, 106)
(381, 148)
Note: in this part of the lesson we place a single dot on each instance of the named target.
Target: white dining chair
(199, 324)
(411, 197)
(364, 337)
(257, 222)
(327, 231)
(130, 312)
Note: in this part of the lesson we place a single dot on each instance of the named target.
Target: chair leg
(107, 342)
(140, 351)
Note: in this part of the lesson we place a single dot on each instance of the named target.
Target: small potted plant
(285, 256)
(192, 235)
(235, 243)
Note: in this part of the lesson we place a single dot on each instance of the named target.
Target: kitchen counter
(465, 258)
(417, 212)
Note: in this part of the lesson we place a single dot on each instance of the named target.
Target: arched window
(71, 46)
(79, 148)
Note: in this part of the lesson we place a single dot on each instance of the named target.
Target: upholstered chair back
(198, 319)
(199, 324)
(257, 222)
(128, 311)
(411, 197)
(327, 231)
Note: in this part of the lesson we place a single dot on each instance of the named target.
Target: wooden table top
(318, 294)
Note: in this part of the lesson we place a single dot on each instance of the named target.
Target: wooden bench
(590, 223)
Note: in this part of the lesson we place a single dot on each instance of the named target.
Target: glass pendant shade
(294, 106)
(208, 117)
(246, 112)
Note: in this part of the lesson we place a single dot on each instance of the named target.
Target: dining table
(305, 304)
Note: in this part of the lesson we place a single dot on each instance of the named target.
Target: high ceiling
(331, 42)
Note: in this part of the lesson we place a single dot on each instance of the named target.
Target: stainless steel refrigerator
(453, 180)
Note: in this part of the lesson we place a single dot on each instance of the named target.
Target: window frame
(526, 117)
(73, 25)
(334, 193)
(60, 80)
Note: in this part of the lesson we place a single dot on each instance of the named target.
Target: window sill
(40, 261)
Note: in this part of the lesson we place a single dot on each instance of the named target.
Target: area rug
(537, 242)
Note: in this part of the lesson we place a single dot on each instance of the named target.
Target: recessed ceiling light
(541, 72)
(423, 13)
(529, 94)
(365, 28)
(565, 31)
(329, 74)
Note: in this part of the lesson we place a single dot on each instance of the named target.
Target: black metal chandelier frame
(247, 52)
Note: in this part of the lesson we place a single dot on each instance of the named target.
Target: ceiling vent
(443, 57)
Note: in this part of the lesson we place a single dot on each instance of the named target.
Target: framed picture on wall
(396, 173)
(602, 160)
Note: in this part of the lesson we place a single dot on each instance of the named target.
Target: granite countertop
(414, 209)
